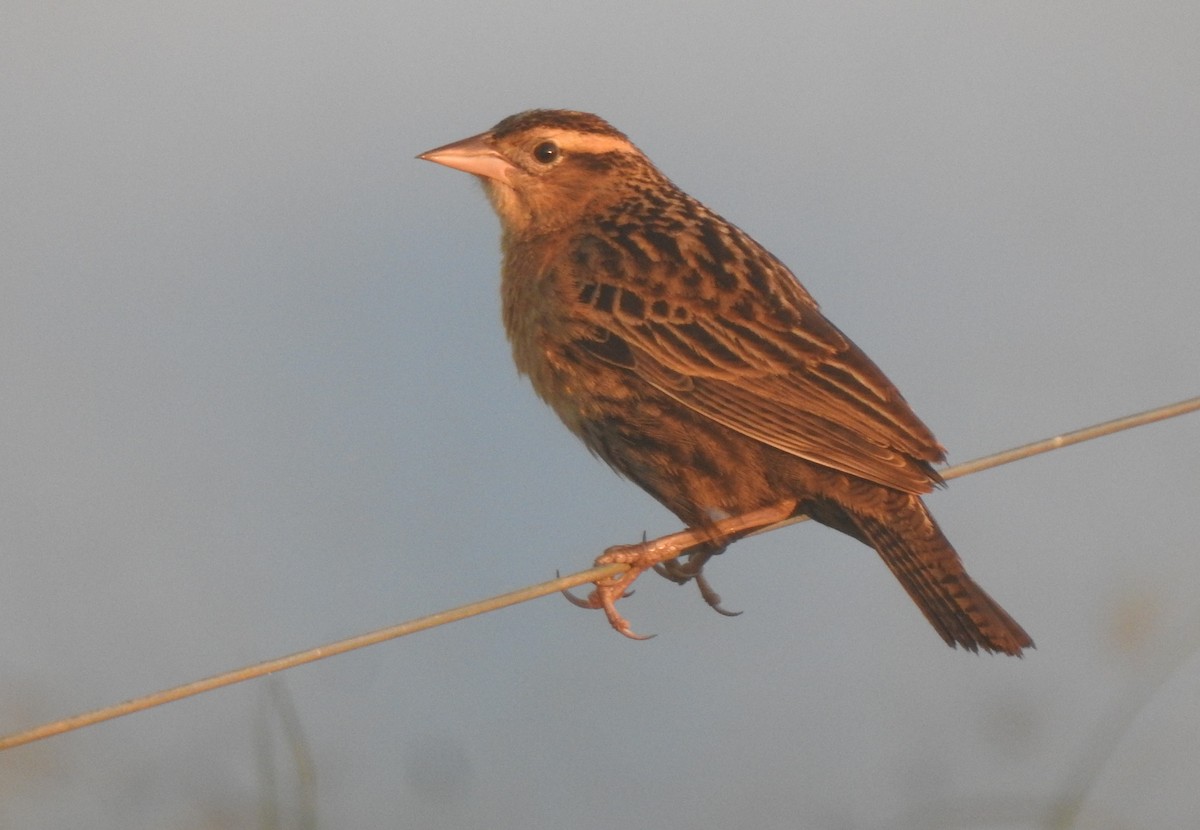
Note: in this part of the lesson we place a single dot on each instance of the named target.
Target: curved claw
(681, 573)
(603, 598)
(571, 598)
(592, 602)
(615, 619)
(574, 600)
(589, 603)
(712, 598)
(639, 637)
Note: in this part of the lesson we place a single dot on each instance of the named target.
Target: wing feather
(762, 360)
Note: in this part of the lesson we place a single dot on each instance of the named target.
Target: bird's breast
(538, 318)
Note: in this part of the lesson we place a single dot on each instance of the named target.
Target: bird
(692, 361)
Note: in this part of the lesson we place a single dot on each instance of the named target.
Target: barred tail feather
(913, 547)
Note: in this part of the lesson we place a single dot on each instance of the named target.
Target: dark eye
(546, 152)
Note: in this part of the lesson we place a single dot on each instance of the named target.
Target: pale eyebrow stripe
(590, 142)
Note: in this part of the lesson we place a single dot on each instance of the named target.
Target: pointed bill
(474, 155)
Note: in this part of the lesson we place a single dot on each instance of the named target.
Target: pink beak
(474, 155)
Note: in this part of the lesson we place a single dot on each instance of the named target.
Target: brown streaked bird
(692, 361)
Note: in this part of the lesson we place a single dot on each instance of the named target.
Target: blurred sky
(256, 397)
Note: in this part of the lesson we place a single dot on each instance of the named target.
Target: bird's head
(543, 169)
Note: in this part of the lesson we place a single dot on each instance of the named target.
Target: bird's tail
(916, 551)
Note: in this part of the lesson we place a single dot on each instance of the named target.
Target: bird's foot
(662, 555)
(612, 588)
(681, 573)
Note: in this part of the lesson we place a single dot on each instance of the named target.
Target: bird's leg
(648, 554)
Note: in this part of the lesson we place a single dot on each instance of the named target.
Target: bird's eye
(546, 152)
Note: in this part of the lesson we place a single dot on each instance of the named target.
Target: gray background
(256, 397)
